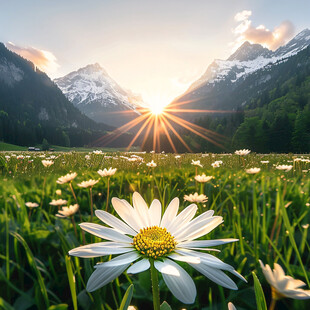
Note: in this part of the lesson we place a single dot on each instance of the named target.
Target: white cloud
(245, 31)
(44, 60)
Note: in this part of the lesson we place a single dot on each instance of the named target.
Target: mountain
(230, 84)
(98, 96)
(32, 107)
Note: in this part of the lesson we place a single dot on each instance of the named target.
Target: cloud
(245, 31)
(44, 60)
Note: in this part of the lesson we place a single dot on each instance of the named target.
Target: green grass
(11, 147)
(37, 273)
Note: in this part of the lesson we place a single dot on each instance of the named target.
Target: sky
(154, 48)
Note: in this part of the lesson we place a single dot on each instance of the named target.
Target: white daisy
(144, 236)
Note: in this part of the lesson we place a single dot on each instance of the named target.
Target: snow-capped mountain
(97, 95)
(224, 76)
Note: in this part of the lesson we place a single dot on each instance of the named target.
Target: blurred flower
(151, 164)
(196, 163)
(196, 198)
(20, 157)
(58, 192)
(97, 152)
(58, 202)
(31, 204)
(143, 232)
(68, 211)
(305, 226)
(87, 157)
(66, 178)
(264, 161)
(231, 306)
(177, 156)
(286, 168)
(252, 170)
(203, 178)
(47, 163)
(107, 173)
(89, 183)
(282, 285)
(216, 164)
(243, 152)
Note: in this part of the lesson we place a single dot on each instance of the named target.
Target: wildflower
(66, 178)
(97, 152)
(177, 156)
(203, 178)
(231, 306)
(286, 168)
(20, 157)
(264, 161)
(196, 163)
(58, 202)
(87, 157)
(89, 183)
(282, 285)
(47, 163)
(252, 170)
(58, 192)
(107, 173)
(196, 198)
(216, 164)
(151, 164)
(68, 211)
(305, 226)
(31, 205)
(150, 240)
(243, 152)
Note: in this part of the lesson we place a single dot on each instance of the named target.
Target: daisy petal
(215, 275)
(179, 282)
(100, 249)
(142, 209)
(184, 258)
(105, 233)
(155, 212)
(183, 218)
(201, 230)
(170, 212)
(126, 212)
(114, 222)
(104, 275)
(142, 265)
(205, 243)
(121, 259)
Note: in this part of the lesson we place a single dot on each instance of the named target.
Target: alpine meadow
(154, 155)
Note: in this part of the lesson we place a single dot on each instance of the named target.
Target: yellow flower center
(154, 242)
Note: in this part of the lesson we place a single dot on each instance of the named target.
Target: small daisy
(196, 198)
(66, 178)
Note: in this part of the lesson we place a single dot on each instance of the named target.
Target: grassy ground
(37, 273)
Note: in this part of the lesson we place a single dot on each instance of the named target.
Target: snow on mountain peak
(249, 58)
(92, 83)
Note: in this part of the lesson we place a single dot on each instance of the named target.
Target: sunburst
(157, 120)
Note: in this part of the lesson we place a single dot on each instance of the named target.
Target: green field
(268, 212)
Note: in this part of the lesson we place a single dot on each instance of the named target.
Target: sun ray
(167, 134)
(147, 132)
(139, 132)
(155, 132)
(177, 121)
(119, 131)
(176, 133)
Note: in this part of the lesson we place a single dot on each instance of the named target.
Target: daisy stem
(74, 226)
(273, 304)
(108, 190)
(91, 203)
(155, 286)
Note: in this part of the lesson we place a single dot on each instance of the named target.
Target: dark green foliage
(276, 114)
(34, 108)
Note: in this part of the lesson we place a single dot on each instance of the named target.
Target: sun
(157, 109)
(156, 103)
